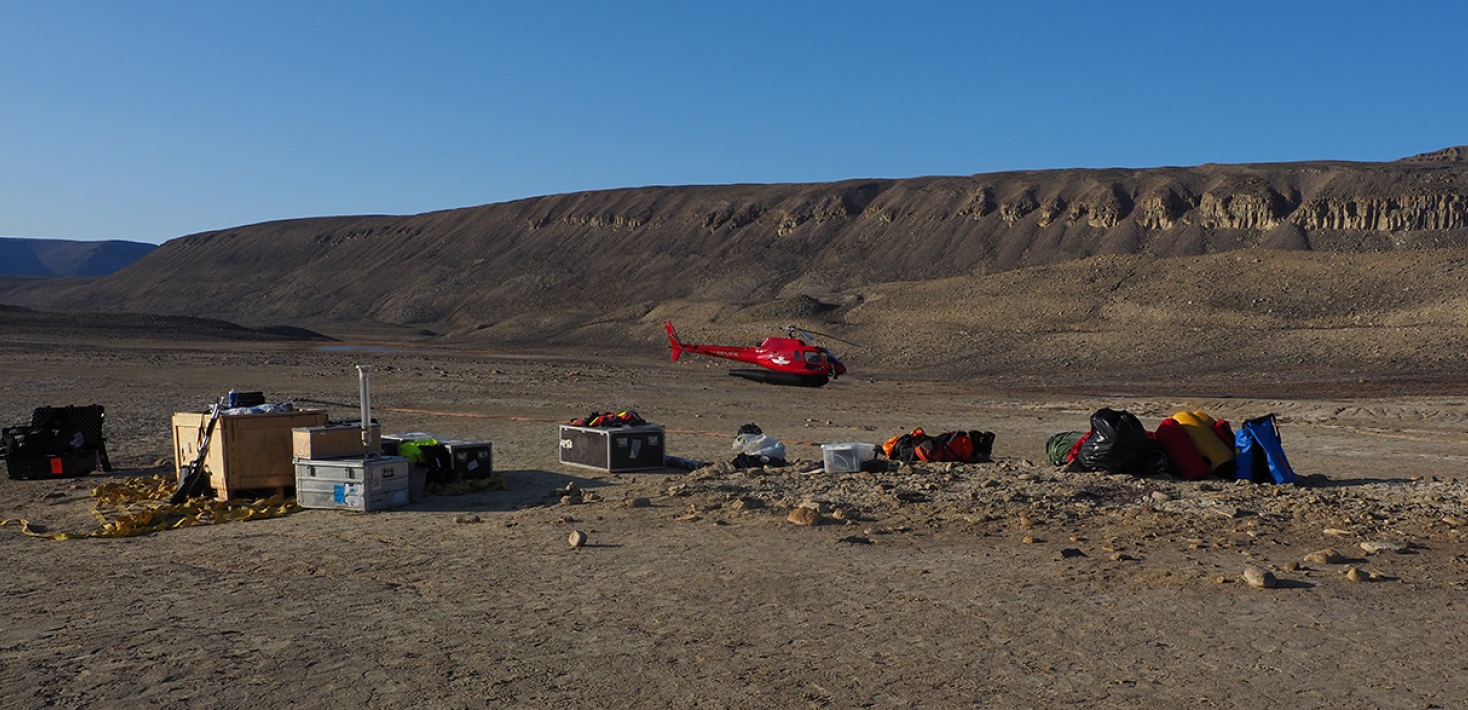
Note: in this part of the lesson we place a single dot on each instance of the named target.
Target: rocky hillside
(1322, 263)
(62, 257)
(639, 247)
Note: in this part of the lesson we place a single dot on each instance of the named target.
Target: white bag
(759, 445)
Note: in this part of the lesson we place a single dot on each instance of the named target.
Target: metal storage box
(390, 441)
(630, 448)
(470, 459)
(334, 441)
(247, 451)
(362, 484)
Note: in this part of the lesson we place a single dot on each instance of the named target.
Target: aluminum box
(362, 484)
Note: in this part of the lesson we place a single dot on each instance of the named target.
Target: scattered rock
(1160, 496)
(855, 540)
(1337, 531)
(1122, 557)
(463, 519)
(1354, 574)
(1327, 556)
(1455, 521)
(577, 538)
(571, 500)
(1030, 540)
(687, 517)
(1373, 547)
(637, 503)
(1259, 578)
(747, 503)
(804, 516)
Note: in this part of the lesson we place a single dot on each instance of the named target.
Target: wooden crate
(335, 441)
(247, 452)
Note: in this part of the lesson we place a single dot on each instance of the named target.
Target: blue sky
(148, 120)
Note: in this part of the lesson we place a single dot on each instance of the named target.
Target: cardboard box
(247, 451)
(334, 441)
(614, 450)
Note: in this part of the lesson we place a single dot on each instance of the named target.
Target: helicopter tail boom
(673, 341)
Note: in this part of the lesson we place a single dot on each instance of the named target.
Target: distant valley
(63, 257)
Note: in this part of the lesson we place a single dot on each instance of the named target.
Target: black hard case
(614, 450)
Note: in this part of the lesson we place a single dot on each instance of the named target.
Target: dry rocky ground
(1007, 584)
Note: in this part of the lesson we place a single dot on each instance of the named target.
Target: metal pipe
(366, 398)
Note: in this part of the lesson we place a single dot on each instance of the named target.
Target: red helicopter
(786, 361)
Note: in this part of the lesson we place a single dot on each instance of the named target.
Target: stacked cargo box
(338, 466)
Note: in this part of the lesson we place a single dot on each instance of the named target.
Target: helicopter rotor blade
(812, 333)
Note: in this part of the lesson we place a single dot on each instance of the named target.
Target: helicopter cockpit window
(812, 356)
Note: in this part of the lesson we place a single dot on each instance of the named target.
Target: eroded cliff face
(1404, 213)
(600, 251)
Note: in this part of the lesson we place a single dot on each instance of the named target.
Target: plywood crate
(335, 441)
(247, 451)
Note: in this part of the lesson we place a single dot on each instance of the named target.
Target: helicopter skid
(782, 378)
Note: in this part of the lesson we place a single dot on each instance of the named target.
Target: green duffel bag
(1059, 446)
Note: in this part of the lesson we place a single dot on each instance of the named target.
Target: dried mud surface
(1006, 584)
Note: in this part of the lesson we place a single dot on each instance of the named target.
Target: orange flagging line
(469, 415)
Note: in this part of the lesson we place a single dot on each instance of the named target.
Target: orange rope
(557, 421)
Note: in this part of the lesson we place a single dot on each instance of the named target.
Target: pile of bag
(959, 446)
(608, 420)
(1190, 445)
(756, 448)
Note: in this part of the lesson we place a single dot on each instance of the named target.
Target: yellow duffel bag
(1201, 429)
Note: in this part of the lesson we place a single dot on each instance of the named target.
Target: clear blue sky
(147, 120)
